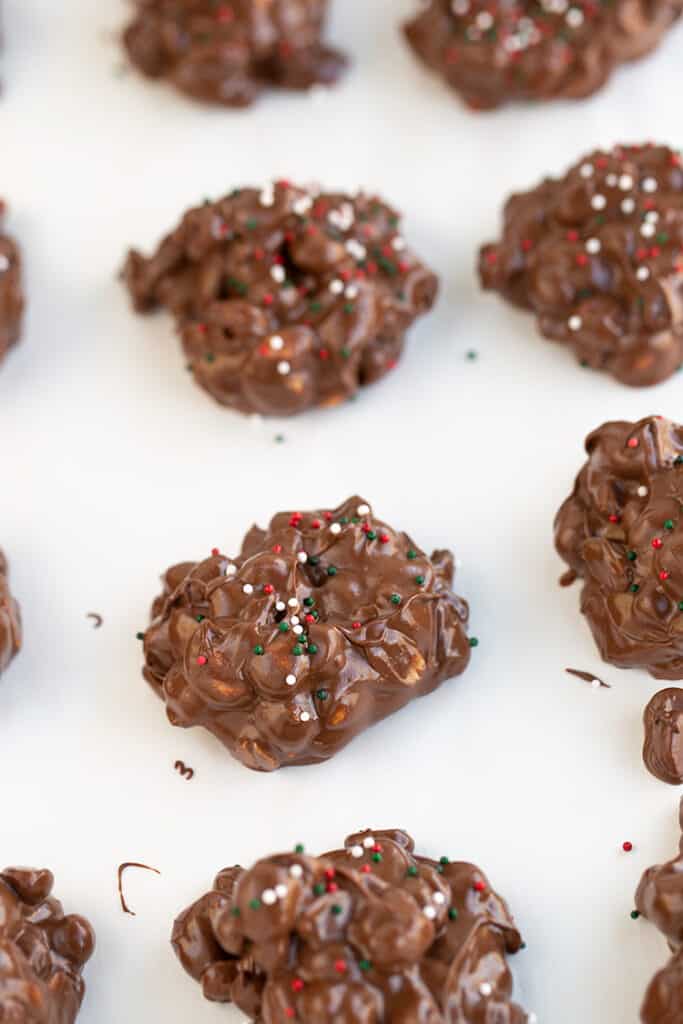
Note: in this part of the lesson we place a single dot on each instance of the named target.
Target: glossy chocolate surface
(660, 899)
(286, 298)
(620, 531)
(597, 256)
(362, 935)
(324, 624)
(663, 747)
(495, 52)
(10, 618)
(11, 293)
(226, 53)
(42, 951)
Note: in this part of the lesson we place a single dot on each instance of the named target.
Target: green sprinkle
(336, 910)
(344, 520)
(309, 602)
(412, 555)
(377, 857)
(472, 355)
(412, 871)
(210, 357)
(284, 627)
(365, 965)
(255, 904)
(314, 560)
(680, 606)
(312, 649)
(235, 911)
(631, 555)
(252, 223)
(419, 580)
(299, 848)
(444, 860)
(259, 649)
(199, 618)
(322, 694)
(297, 651)
(332, 570)
(474, 641)
(395, 598)
(668, 524)
(678, 460)
(349, 307)
(634, 588)
(318, 889)
(139, 636)
(453, 914)
(346, 353)
(635, 914)
(371, 535)
(315, 307)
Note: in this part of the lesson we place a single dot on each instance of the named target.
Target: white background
(114, 465)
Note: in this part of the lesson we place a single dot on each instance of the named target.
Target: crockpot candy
(660, 899)
(227, 51)
(370, 933)
(10, 619)
(11, 295)
(663, 746)
(598, 257)
(42, 951)
(286, 298)
(325, 623)
(494, 52)
(621, 532)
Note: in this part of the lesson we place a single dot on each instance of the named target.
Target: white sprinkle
(429, 912)
(626, 183)
(247, 589)
(355, 249)
(4, 263)
(278, 273)
(267, 197)
(439, 898)
(295, 620)
(356, 851)
(532, 1019)
(368, 842)
(642, 273)
(363, 510)
(302, 205)
(335, 528)
(302, 557)
(593, 245)
(575, 323)
(574, 17)
(276, 343)
(305, 717)
(649, 185)
(281, 891)
(298, 630)
(587, 171)
(230, 570)
(652, 215)
(336, 286)
(460, 7)
(648, 229)
(293, 602)
(486, 988)
(628, 205)
(351, 292)
(280, 606)
(268, 897)
(283, 368)
(642, 491)
(398, 244)
(612, 180)
(598, 202)
(484, 20)
(596, 684)
(291, 680)
(296, 871)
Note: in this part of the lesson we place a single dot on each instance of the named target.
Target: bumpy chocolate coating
(663, 747)
(495, 52)
(324, 624)
(598, 257)
(10, 618)
(42, 951)
(286, 298)
(11, 294)
(620, 531)
(362, 935)
(226, 53)
(659, 898)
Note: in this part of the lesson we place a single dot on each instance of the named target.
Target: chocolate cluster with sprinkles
(371, 933)
(598, 257)
(10, 618)
(227, 51)
(494, 51)
(11, 291)
(659, 899)
(42, 951)
(286, 298)
(324, 624)
(621, 532)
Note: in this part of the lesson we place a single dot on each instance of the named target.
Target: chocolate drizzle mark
(97, 619)
(124, 867)
(587, 677)
(185, 770)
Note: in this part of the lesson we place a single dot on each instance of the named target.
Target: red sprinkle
(657, 543)
(664, 575)
(627, 847)
(340, 966)
(614, 519)
(215, 552)
(297, 985)
(277, 549)
(330, 873)
(384, 538)
(366, 869)
(202, 660)
(479, 886)
(268, 588)
(355, 625)
(632, 442)
(581, 259)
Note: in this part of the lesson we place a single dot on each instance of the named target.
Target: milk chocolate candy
(620, 531)
(663, 747)
(10, 618)
(11, 294)
(286, 298)
(597, 257)
(42, 951)
(226, 53)
(660, 899)
(325, 623)
(495, 52)
(367, 934)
